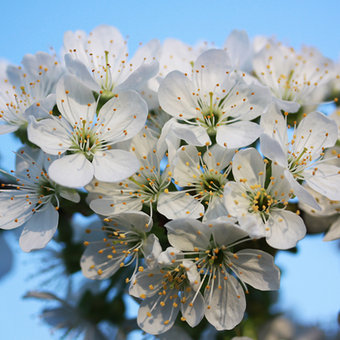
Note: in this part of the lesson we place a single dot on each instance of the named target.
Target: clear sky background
(310, 282)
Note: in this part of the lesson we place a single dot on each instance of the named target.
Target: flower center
(297, 164)
(149, 186)
(84, 140)
(46, 187)
(211, 185)
(175, 278)
(210, 115)
(261, 202)
(215, 256)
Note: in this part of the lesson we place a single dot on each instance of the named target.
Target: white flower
(294, 78)
(260, 205)
(33, 202)
(123, 241)
(83, 140)
(100, 60)
(334, 231)
(239, 50)
(326, 218)
(225, 273)
(329, 215)
(302, 156)
(27, 87)
(175, 55)
(165, 289)
(145, 187)
(203, 180)
(214, 103)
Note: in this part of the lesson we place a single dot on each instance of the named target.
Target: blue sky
(310, 280)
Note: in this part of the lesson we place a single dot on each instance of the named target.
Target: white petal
(194, 313)
(73, 171)
(192, 274)
(298, 190)
(247, 164)
(226, 304)
(168, 139)
(315, 132)
(75, 101)
(162, 317)
(140, 76)
(254, 225)
(114, 165)
(75, 40)
(235, 203)
(257, 268)
(168, 257)
(24, 158)
(187, 234)
(194, 135)
(122, 116)
(146, 53)
(14, 209)
(280, 187)
(247, 99)
(238, 135)
(218, 158)
(286, 230)
(216, 209)
(175, 96)
(225, 233)
(4, 128)
(107, 38)
(326, 180)
(274, 125)
(239, 48)
(110, 206)
(45, 105)
(185, 165)
(70, 195)
(49, 135)
(152, 250)
(39, 229)
(179, 205)
(286, 105)
(334, 231)
(273, 150)
(132, 220)
(212, 66)
(77, 68)
(140, 286)
(95, 263)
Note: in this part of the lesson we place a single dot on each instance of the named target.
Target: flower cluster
(189, 154)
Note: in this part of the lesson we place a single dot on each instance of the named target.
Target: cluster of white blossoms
(187, 153)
